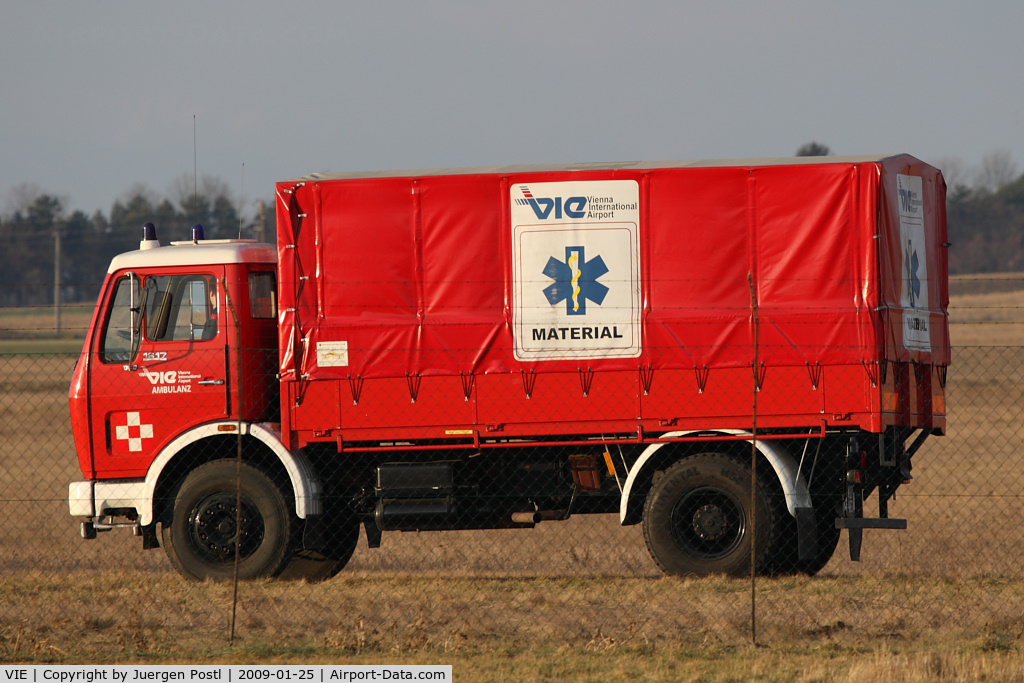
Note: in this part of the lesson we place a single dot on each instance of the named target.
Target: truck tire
(200, 535)
(697, 517)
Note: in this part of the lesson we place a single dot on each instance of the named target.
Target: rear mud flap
(807, 533)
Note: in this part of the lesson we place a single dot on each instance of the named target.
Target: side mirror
(135, 334)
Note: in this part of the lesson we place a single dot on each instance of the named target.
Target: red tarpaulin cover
(496, 270)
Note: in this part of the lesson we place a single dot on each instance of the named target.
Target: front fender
(305, 485)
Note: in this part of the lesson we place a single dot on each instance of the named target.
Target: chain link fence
(957, 571)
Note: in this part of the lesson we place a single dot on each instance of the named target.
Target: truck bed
(447, 306)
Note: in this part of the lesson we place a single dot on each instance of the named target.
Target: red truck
(490, 348)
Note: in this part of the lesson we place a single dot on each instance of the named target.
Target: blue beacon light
(149, 240)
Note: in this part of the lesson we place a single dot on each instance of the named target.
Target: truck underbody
(692, 495)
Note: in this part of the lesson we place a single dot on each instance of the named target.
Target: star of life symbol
(910, 269)
(134, 428)
(575, 281)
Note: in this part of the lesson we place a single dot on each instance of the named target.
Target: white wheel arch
(305, 485)
(794, 486)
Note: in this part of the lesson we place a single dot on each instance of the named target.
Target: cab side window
(181, 308)
(262, 295)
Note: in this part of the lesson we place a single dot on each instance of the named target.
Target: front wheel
(207, 524)
(698, 519)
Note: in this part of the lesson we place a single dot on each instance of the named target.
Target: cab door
(159, 367)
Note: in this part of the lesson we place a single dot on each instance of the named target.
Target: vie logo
(910, 201)
(544, 207)
(169, 377)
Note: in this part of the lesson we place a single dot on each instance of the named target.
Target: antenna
(241, 203)
(195, 177)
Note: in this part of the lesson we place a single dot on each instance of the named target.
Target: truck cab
(182, 346)
(183, 335)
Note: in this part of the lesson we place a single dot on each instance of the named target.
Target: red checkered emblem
(130, 431)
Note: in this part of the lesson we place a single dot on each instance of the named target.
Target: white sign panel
(914, 290)
(576, 269)
(332, 354)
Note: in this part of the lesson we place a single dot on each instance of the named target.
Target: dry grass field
(579, 600)
(32, 330)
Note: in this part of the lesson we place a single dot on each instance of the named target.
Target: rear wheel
(698, 517)
(207, 524)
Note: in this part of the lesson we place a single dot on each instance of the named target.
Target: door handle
(210, 382)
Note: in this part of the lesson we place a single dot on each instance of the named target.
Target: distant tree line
(985, 210)
(29, 232)
(985, 216)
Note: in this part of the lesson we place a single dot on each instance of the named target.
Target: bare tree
(195, 199)
(21, 198)
(997, 169)
(137, 191)
(956, 173)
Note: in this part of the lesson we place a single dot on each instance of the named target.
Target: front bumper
(94, 499)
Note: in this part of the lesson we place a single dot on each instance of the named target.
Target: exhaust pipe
(538, 516)
(526, 517)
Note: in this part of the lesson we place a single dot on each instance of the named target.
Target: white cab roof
(205, 253)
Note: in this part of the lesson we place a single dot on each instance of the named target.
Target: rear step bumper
(855, 527)
(870, 523)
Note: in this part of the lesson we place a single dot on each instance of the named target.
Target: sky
(101, 98)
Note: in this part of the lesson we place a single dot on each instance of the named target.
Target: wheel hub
(710, 523)
(215, 528)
